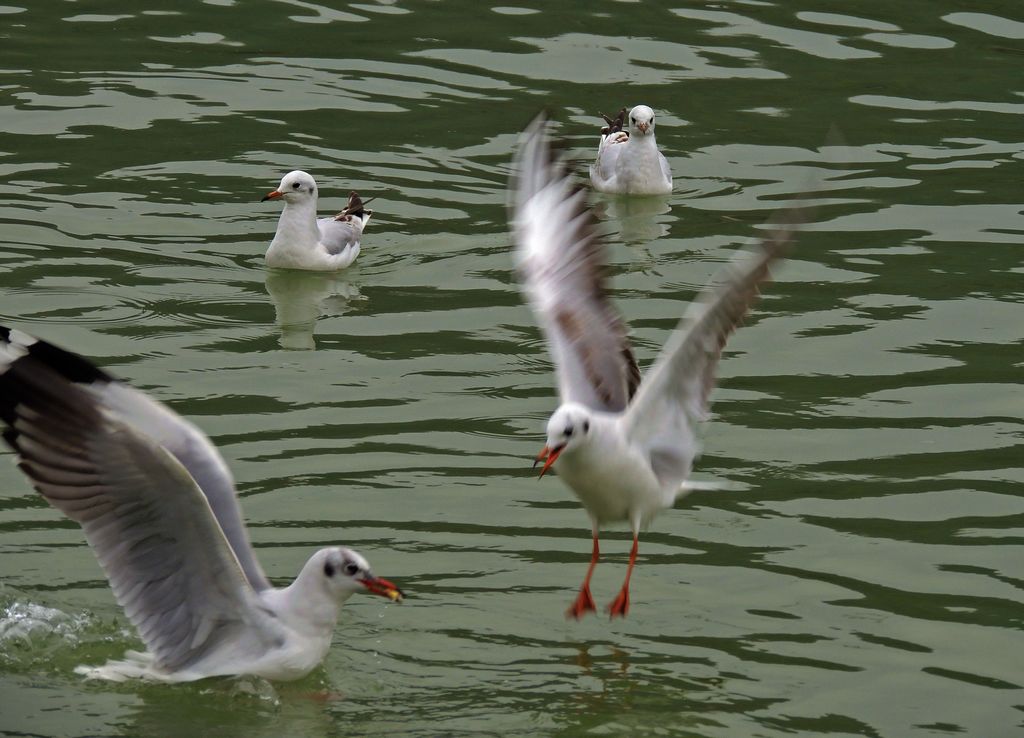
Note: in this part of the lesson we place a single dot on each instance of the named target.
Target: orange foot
(583, 604)
(619, 607)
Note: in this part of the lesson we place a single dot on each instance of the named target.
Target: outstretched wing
(674, 397)
(146, 519)
(189, 445)
(561, 262)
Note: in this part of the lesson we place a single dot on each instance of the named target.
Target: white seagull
(624, 448)
(628, 161)
(158, 507)
(302, 240)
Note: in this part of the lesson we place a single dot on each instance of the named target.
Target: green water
(865, 578)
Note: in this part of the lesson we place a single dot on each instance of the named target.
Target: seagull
(623, 446)
(628, 161)
(158, 507)
(302, 240)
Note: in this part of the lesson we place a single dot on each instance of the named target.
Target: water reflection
(249, 707)
(301, 298)
(637, 218)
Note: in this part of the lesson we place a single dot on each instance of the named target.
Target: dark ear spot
(328, 569)
(586, 426)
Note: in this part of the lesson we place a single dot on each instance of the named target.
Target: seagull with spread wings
(158, 506)
(623, 446)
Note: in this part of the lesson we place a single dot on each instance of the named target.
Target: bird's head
(568, 427)
(295, 186)
(641, 121)
(343, 571)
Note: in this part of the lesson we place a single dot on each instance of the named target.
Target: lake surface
(864, 578)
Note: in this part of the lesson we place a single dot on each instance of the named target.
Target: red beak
(643, 127)
(272, 195)
(548, 456)
(382, 587)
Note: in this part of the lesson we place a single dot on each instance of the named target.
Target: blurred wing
(189, 445)
(674, 397)
(147, 521)
(561, 263)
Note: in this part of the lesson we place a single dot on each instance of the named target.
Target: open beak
(548, 456)
(272, 195)
(382, 587)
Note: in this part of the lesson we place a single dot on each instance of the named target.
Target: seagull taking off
(628, 161)
(625, 448)
(302, 240)
(157, 505)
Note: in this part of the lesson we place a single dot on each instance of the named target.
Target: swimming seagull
(158, 507)
(628, 161)
(625, 448)
(302, 240)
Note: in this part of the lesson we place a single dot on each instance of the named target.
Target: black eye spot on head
(328, 569)
(351, 569)
(569, 431)
(632, 120)
(296, 185)
(586, 426)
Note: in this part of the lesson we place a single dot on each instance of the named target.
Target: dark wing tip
(71, 366)
(29, 356)
(614, 125)
(356, 206)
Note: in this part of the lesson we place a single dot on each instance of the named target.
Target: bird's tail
(356, 208)
(614, 131)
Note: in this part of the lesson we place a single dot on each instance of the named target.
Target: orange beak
(272, 195)
(548, 456)
(382, 587)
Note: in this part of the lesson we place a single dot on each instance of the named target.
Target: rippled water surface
(864, 579)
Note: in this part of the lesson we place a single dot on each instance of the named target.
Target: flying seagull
(623, 446)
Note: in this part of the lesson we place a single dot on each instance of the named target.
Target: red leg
(584, 601)
(620, 605)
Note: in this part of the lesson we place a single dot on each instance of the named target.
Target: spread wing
(561, 263)
(189, 445)
(674, 397)
(146, 519)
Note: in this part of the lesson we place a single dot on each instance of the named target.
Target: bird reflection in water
(637, 218)
(302, 297)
